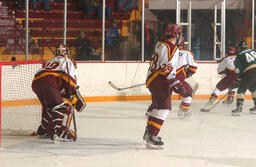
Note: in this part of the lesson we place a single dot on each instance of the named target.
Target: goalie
(56, 88)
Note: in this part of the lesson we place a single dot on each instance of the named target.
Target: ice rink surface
(110, 135)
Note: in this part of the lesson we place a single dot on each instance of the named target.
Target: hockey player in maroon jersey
(226, 68)
(186, 67)
(160, 80)
(56, 88)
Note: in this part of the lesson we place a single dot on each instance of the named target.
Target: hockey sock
(154, 125)
(184, 106)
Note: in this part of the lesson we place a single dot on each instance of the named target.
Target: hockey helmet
(172, 30)
(242, 45)
(231, 51)
(62, 50)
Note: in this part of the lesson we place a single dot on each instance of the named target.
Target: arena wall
(93, 79)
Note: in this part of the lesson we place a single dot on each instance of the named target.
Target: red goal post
(20, 111)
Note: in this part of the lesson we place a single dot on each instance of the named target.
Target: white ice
(110, 135)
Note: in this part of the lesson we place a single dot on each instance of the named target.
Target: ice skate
(229, 100)
(253, 110)
(182, 114)
(152, 142)
(149, 110)
(207, 106)
(237, 111)
(64, 136)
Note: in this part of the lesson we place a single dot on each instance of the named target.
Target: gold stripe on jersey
(250, 67)
(170, 55)
(189, 52)
(152, 77)
(179, 70)
(154, 124)
(192, 69)
(57, 74)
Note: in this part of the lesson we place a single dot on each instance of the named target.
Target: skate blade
(57, 139)
(204, 110)
(154, 147)
(236, 114)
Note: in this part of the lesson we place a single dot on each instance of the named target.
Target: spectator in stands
(33, 47)
(95, 6)
(46, 5)
(113, 41)
(83, 50)
(108, 11)
(21, 4)
(126, 5)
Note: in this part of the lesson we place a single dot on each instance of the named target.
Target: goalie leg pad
(62, 116)
(46, 127)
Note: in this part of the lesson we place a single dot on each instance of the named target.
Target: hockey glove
(236, 83)
(178, 87)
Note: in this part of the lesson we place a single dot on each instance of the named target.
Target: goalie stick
(124, 88)
(74, 117)
(215, 104)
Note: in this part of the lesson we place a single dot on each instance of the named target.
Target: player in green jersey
(246, 75)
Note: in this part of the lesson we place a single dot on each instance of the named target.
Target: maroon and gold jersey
(187, 63)
(163, 65)
(60, 72)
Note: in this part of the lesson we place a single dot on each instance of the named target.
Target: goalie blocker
(77, 100)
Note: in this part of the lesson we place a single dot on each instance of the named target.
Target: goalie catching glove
(77, 100)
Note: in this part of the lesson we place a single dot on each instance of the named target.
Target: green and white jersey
(245, 61)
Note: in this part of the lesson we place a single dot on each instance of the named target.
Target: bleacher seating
(46, 27)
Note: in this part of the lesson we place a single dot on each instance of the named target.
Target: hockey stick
(215, 104)
(195, 89)
(124, 88)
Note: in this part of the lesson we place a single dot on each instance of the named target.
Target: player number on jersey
(51, 65)
(153, 63)
(250, 56)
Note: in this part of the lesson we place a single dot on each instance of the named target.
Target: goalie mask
(62, 50)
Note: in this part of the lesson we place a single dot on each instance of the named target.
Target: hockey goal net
(20, 111)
